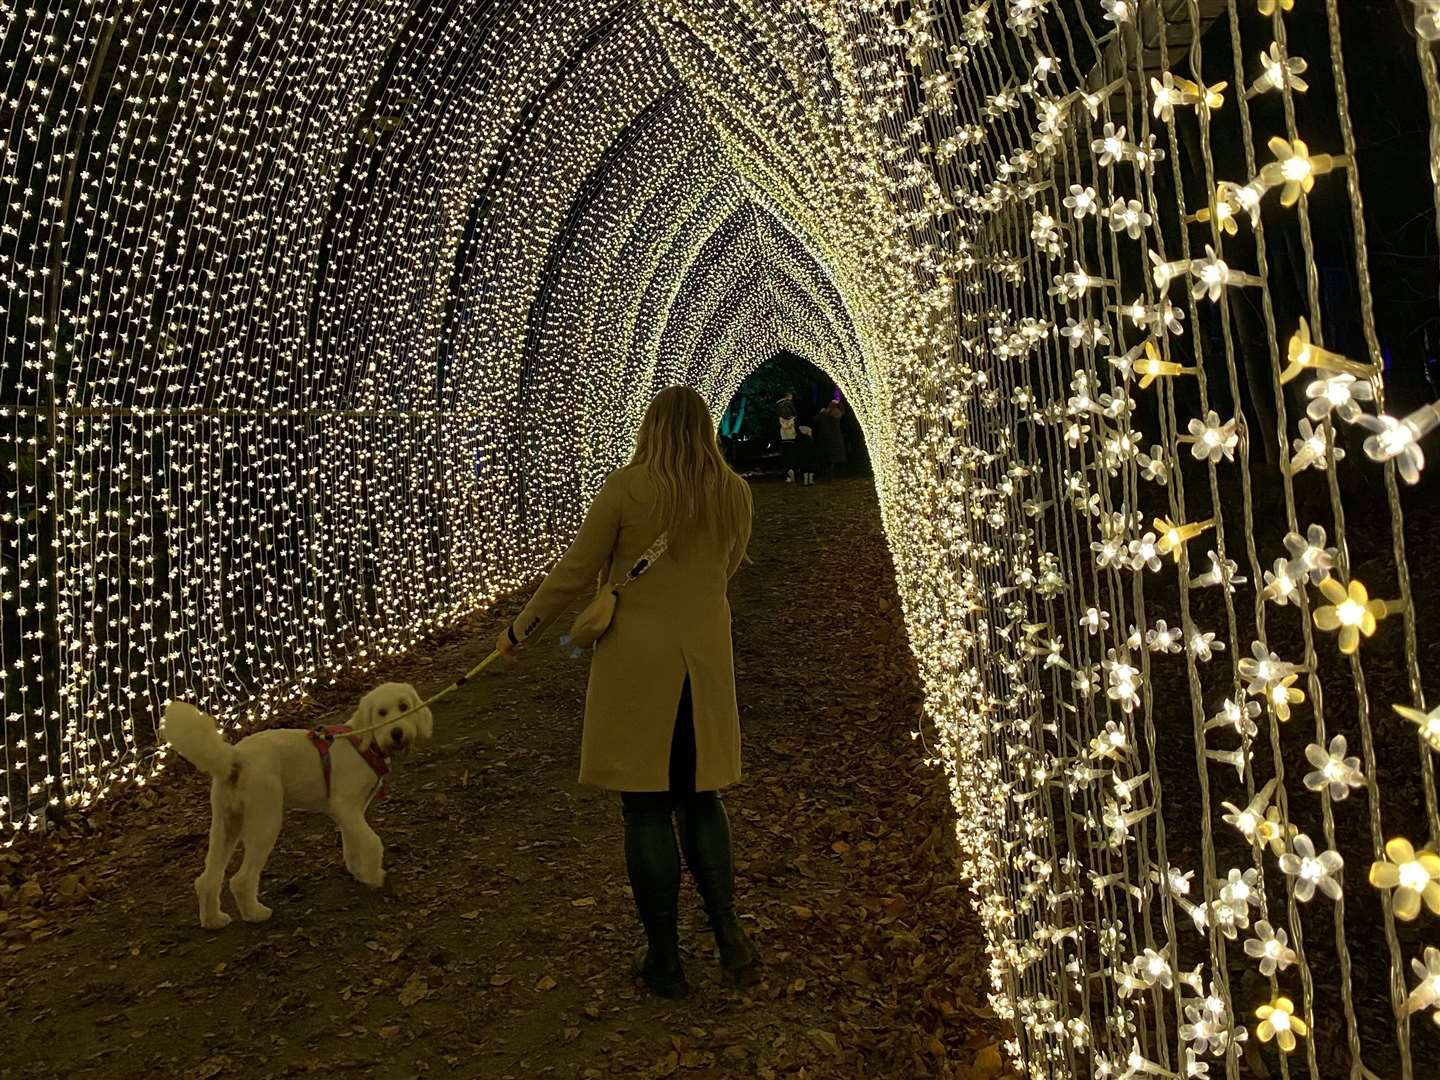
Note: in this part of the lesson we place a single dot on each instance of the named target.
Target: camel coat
(672, 621)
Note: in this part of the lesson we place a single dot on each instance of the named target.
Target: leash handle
(461, 681)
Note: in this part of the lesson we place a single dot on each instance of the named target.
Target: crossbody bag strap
(652, 555)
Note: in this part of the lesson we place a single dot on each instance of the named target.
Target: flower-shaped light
(1095, 620)
(1151, 968)
(1312, 871)
(1414, 877)
(1339, 394)
(1171, 90)
(1111, 146)
(1085, 333)
(1082, 201)
(1279, 1022)
(1295, 168)
(1277, 70)
(1427, 992)
(1151, 367)
(1271, 947)
(1129, 217)
(1153, 466)
(1281, 695)
(1427, 25)
(1309, 555)
(1310, 449)
(1275, 832)
(1213, 439)
(1427, 722)
(1269, 7)
(1162, 638)
(1239, 715)
(1045, 232)
(1154, 318)
(1212, 1020)
(1303, 354)
(1399, 440)
(1145, 553)
(1224, 572)
(1162, 272)
(1333, 769)
(1265, 670)
(1173, 537)
(1351, 611)
(1249, 820)
(1123, 680)
(1147, 153)
(1212, 274)
(1238, 891)
(1280, 587)
(1231, 200)
(1203, 645)
(1073, 285)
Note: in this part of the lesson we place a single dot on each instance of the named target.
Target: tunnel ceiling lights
(324, 320)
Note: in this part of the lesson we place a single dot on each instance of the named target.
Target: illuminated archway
(323, 321)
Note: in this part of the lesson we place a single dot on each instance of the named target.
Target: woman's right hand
(506, 647)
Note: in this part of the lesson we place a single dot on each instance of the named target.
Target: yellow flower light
(1295, 168)
(1282, 695)
(1351, 611)
(1414, 877)
(1172, 537)
(1303, 354)
(1269, 7)
(1151, 367)
(1279, 1022)
(1274, 832)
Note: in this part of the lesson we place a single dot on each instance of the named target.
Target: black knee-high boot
(705, 838)
(653, 863)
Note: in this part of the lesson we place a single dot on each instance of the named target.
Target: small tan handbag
(592, 623)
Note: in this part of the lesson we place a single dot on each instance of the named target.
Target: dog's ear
(363, 717)
(424, 726)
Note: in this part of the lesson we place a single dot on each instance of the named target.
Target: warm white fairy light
(344, 327)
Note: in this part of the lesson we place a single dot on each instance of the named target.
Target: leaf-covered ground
(500, 945)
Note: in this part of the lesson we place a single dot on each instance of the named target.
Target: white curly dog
(255, 780)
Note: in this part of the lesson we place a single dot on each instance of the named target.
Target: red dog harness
(324, 738)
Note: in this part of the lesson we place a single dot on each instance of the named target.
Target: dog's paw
(216, 922)
(257, 913)
(375, 880)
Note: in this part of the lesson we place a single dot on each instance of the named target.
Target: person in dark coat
(829, 439)
(805, 454)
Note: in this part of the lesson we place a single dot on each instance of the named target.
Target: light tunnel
(325, 319)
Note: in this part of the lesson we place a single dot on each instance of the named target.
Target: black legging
(651, 857)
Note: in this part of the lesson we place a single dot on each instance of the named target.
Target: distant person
(805, 454)
(789, 421)
(829, 439)
(661, 722)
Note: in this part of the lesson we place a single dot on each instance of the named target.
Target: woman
(661, 723)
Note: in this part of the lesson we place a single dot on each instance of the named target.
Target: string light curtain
(323, 321)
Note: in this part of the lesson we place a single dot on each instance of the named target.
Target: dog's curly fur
(256, 779)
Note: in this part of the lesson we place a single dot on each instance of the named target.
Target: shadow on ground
(500, 945)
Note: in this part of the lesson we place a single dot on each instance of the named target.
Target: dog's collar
(324, 737)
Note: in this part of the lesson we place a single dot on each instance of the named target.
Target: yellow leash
(481, 666)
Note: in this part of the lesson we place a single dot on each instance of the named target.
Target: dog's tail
(196, 737)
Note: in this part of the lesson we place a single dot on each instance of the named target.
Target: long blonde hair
(695, 490)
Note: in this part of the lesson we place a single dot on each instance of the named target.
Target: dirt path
(500, 945)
